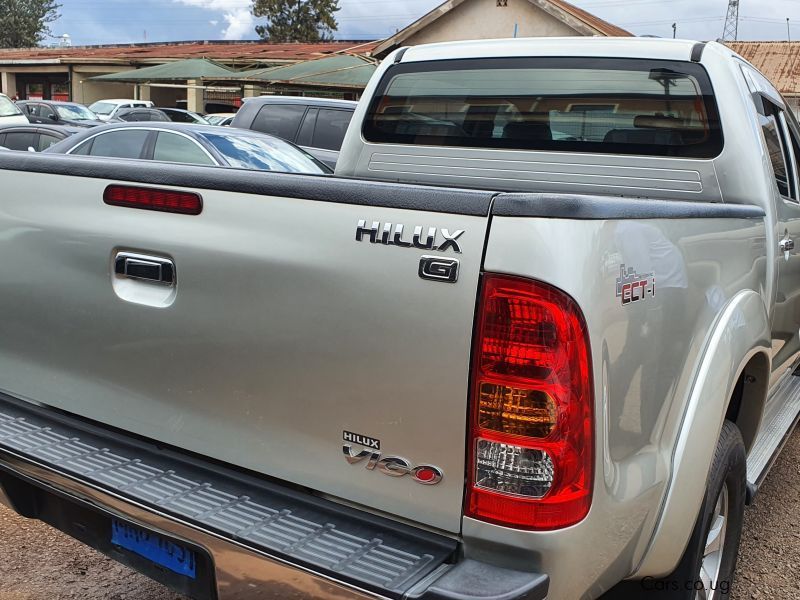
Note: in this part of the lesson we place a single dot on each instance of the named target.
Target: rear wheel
(706, 569)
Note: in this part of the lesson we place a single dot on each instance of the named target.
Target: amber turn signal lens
(516, 411)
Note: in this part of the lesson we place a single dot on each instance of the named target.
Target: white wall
(87, 92)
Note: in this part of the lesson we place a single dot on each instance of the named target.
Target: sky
(128, 21)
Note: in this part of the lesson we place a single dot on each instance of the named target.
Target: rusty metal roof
(239, 52)
(590, 20)
(778, 61)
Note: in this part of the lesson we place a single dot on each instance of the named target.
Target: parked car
(316, 124)
(220, 119)
(10, 114)
(107, 109)
(558, 369)
(142, 114)
(196, 144)
(38, 137)
(50, 112)
(178, 115)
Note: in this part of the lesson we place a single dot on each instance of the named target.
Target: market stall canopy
(342, 70)
(193, 68)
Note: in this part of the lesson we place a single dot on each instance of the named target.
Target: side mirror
(31, 149)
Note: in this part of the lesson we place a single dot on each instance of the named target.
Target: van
(10, 114)
(317, 125)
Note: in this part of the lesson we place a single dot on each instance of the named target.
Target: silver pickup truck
(537, 338)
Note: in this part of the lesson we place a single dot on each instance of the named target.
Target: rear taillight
(531, 448)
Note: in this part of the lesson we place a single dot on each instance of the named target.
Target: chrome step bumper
(262, 539)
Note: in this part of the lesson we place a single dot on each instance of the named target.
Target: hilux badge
(424, 238)
(393, 466)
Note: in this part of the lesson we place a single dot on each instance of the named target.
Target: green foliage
(296, 20)
(24, 23)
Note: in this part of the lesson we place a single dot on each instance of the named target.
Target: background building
(340, 68)
(779, 62)
(69, 73)
(489, 19)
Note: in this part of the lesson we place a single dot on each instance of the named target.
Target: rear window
(8, 108)
(330, 129)
(616, 106)
(281, 120)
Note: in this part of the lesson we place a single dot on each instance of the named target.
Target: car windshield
(75, 112)
(102, 108)
(8, 108)
(264, 153)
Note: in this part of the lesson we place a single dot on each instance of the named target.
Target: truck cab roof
(653, 48)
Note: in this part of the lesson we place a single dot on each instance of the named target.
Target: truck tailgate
(282, 337)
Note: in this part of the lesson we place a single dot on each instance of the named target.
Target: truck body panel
(271, 345)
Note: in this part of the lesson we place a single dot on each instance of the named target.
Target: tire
(725, 493)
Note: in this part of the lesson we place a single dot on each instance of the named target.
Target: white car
(10, 114)
(108, 109)
(220, 119)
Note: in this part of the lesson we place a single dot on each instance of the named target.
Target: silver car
(192, 144)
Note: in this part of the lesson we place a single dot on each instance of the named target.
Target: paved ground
(38, 563)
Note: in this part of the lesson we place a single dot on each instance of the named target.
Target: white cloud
(241, 24)
(236, 13)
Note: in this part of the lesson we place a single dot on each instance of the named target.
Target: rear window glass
(282, 120)
(330, 129)
(8, 108)
(618, 106)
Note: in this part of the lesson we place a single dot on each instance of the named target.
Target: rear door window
(171, 147)
(20, 140)
(45, 141)
(282, 120)
(120, 144)
(305, 137)
(776, 149)
(331, 127)
(616, 106)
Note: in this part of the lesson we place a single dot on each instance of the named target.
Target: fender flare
(742, 331)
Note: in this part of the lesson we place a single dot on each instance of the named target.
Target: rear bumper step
(252, 534)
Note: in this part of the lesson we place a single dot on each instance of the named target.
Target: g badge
(436, 268)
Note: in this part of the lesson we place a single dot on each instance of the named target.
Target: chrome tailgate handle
(146, 268)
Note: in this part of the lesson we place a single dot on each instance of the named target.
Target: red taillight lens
(185, 203)
(532, 442)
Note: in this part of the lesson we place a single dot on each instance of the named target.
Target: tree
(296, 20)
(24, 23)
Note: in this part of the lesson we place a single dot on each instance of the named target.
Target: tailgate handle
(147, 268)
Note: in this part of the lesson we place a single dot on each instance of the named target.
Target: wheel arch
(737, 348)
(746, 406)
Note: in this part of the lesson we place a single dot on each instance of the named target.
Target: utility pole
(788, 30)
(731, 31)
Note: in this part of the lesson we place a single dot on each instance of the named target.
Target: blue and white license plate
(170, 555)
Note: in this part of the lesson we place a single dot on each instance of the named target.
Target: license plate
(166, 553)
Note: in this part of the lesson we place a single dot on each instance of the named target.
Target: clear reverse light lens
(510, 469)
